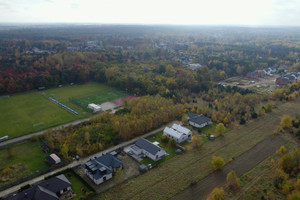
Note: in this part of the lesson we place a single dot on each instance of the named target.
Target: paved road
(27, 137)
(81, 161)
(240, 165)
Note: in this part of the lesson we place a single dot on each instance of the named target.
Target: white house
(94, 107)
(144, 147)
(198, 121)
(178, 133)
(101, 168)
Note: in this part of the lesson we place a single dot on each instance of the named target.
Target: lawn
(176, 174)
(27, 159)
(25, 113)
(80, 189)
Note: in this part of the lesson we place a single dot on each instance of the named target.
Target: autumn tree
(281, 151)
(286, 122)
(164, 139)
(172, 143)
(10, 152)
(217, 162)
(268, 107)
(216, 194)
(233, 181)
(6, 171)
(220, 129)
(196, 141)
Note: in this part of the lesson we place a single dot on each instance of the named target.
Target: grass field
(28, 158)
(176, 174)
(25, 113)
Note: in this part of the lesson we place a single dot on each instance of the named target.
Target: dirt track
(240, 165)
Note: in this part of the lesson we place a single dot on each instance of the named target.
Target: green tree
(233, 182)
(216, 194)
(220, 129)
(217, 162)
(294, 196)
(65, 151)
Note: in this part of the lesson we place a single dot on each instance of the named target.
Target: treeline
(230, 104)
(286, 176)
(142, 115)
(287, 93)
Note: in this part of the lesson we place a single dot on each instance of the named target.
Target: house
(178, 133)
(94, 107)
(143, 147)
(198, 121)
(53, 159)
(282, 81)
(194, 66)
(101, 168)
(50, 189)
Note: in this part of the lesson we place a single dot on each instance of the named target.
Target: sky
(190, 12)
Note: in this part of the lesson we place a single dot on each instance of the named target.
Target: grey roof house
(143, 147)
(198, 121)
(101, 168)
(50, 189)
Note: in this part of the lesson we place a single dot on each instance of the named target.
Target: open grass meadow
(23, 160)
(25, 113)
(175, 175)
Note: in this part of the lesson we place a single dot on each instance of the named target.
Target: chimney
(25, 195)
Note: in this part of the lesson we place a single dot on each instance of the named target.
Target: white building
(178, 133)
(144, 147)
(94, 107)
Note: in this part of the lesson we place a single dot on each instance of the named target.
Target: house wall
(100, 180)
(159, 155)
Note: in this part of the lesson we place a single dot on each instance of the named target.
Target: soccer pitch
(22, 114)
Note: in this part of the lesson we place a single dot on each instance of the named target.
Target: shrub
(216, 194)
(217, 162)
(233, 182)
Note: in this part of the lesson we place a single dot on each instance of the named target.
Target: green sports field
(25, 113)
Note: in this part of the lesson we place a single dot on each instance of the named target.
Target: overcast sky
(216, 12)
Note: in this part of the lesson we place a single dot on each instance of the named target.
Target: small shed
(143, 168)
(53, 159)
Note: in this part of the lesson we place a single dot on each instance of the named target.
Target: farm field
(27, 158)
(25, 113)
(196, 164)
(258, 183)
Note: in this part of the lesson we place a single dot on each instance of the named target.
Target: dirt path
(240, 165)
